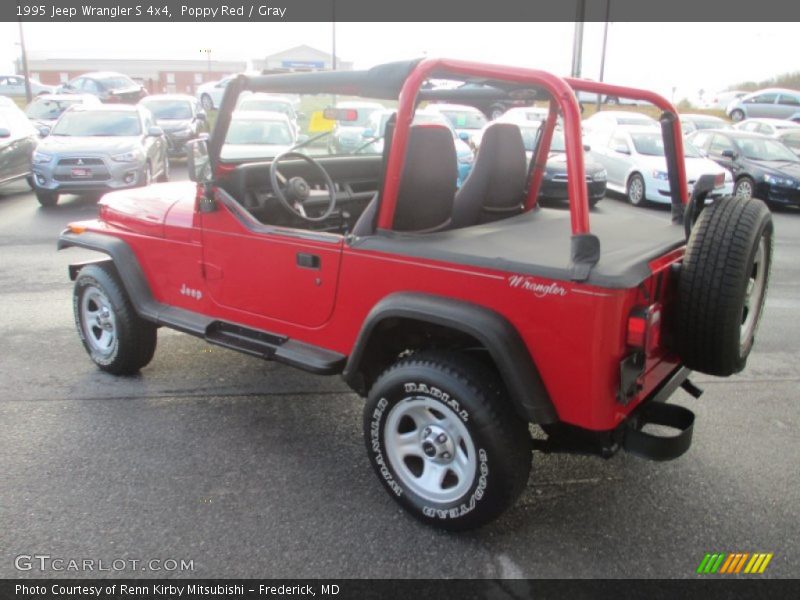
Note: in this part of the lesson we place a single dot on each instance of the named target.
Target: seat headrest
(428, 182)
(502, 165)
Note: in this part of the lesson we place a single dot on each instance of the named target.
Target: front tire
(164, 175)
(117, 339)
(744, 188)
(444, 440)
(737, 115)
(47, 199)
(637, 194)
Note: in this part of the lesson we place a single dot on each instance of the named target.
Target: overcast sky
(657, 56)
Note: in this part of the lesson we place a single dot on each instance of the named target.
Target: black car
(180, 116)
(108, 86)
(18, 139)
(762, 167)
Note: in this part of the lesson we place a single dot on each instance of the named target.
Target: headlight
(601, 175)
(662, 175)
(773, 180)
(40, 158)
(466, 159)
(132, 156)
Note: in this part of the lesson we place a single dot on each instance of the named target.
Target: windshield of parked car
(100, 123)
(169, 109)
(44, 108)
(115, 83)
(465, 119)
(530, 138)
(635, 121)
(259, 132)
(652, 144)
(421, 118)
(279, 106)
(766, 149)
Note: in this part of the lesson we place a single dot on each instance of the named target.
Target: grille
(84, 162)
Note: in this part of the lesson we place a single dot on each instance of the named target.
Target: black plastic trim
(492, 330)
(262, 344)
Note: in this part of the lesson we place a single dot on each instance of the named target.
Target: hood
(144, 210)
(251, 151)
(557, 163)
(169, 125)
(88, 146)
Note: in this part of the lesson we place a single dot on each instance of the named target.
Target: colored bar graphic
(734, 563)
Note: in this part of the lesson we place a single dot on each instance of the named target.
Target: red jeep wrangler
(462, 314)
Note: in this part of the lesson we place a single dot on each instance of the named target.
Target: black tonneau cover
(538, 243)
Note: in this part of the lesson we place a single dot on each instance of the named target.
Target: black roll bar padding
(668, 131)
(585, 252)
(702, 188)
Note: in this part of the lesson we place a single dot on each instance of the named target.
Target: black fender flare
(126, 263)
(502, 341)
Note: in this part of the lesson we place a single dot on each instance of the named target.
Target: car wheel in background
(744, 188)
(164, 176)
(636, 190)
(737, 115)
(47, 199)
(148, 175)
(207, 102)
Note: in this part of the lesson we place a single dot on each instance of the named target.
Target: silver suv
(97, 149)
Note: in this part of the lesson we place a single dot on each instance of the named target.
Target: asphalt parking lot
(252, 469)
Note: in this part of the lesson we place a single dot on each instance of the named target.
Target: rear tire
(47, 199)
(737, 115)
(723, 285)
(444, 441)
(117, 339)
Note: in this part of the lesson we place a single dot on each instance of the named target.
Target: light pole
(207, 52)
(577, 40)
(605, 44)
(28, 95)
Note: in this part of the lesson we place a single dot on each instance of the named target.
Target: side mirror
(4, 133)
(155, 132)
(368, 133)
(197, 161)
(43, 130)
(728, 154)
(621, 148)
(463, 136)
(587, 148)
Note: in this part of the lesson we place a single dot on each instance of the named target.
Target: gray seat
(427, 184)
(495, 188)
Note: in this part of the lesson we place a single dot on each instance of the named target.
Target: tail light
(644, 328)
(719, 180)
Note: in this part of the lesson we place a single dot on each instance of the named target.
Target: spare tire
(723, 284)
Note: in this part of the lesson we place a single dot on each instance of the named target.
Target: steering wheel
(297, 189)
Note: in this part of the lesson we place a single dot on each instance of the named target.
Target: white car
(270, 103)
(466, 120)
(692, 122)
(524, 114)
(210, 93)
(600, 125)
(636, 165)
(257, 135)
(14, 85)
(770, 127)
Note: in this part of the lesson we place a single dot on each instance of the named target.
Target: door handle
(308, 261)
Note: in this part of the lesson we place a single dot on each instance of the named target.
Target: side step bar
(268, 346)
